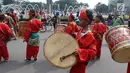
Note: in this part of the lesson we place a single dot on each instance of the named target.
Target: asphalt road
(16, 64)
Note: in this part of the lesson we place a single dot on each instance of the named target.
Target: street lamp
(49, 6)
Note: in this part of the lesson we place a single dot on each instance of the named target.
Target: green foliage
(101, 8)
(120, 1)
(5, 2)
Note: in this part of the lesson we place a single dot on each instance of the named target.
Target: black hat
(2, 16)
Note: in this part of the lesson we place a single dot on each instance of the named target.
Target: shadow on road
(6, 67)
(105, 45)
(44, 67)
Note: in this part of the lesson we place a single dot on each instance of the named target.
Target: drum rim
(115, 27)
(61, 25)
(117, 50)
(123, 42)
(50, 61)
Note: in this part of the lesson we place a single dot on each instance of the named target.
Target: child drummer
(72, 26)
(87, 43)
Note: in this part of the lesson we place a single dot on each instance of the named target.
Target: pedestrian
(109, 19)
(56, 19)
(87, 43)
(129, 21)
(99, 29)
(117, 21)
(15, 18)
(5, 35)
(31, 36)
(10, 22)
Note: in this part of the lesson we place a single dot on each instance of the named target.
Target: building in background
(113, 5)
(127, 3)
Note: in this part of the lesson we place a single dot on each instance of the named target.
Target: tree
(120, 1)
(5, 2)
(85, 4)
(101, 8)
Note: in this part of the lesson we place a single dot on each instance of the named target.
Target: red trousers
(4, 53)
(78, 68)
(98, 46)
(128, 68)
(32, 51)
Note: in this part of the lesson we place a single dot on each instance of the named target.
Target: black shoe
(98, 58)
(27, 60)
(15, 39)
(95, 58)
(35, 59)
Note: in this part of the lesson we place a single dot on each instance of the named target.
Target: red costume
(14, 17)
(32, 26)
(98, 30)
(71, 28)
(5, 35)
(87, 50)
(128, 68)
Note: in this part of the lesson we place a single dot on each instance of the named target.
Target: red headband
(31, 13)
(83, 15)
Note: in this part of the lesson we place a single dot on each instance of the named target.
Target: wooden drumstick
(64, 57)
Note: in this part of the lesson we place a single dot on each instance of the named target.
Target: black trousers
(129, 23)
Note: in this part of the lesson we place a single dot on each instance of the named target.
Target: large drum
(59, 50)
(22, 28)
(118, 40)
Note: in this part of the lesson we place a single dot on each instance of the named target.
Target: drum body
(118, 40)
(59, 45)
(22, 28)
(60, 28)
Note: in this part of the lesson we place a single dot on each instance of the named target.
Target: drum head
(59, 45)
(122, 54)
